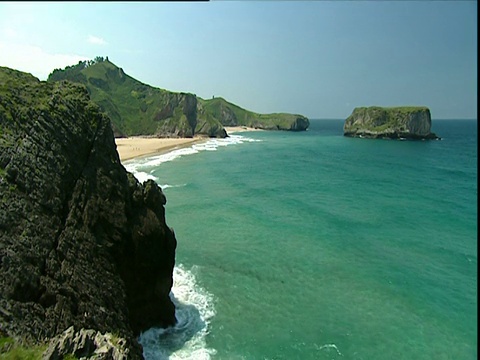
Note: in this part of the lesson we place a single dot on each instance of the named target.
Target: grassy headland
(136, 108)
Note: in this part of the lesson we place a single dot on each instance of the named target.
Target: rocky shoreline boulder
(86, 344)
(407, 122)
(82, 243)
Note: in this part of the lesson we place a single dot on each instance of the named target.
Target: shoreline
(140, 146)
(237, 129)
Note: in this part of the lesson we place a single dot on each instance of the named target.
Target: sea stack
(403, 122)
(84, 247)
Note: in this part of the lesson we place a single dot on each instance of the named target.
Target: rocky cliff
(139, 109)
(389, 122)
(136, 108)
(82, 243)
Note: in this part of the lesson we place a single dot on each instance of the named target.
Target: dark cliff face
(179, 116)
(301, 123)
(82, 243)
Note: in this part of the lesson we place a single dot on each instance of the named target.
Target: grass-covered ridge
(384, 118)
(403, 109)
(11, 350)
(230, 114)
(136, 108)
(393, 111)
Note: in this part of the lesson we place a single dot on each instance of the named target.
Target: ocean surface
(312, 245)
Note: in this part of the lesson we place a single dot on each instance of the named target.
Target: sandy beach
(136, 146)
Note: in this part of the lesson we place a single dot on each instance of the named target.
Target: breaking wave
(194, 310)
(139, 167)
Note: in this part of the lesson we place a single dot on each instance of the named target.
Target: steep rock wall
(300, 123)
(82, 243)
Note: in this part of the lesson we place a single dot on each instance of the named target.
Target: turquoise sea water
(312, 245)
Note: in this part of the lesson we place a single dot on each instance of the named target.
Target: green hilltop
(136, 108)
(232, 115)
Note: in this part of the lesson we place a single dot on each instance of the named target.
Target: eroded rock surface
(392, 123)
(82, 243)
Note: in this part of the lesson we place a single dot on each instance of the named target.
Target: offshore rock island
(82, 242)
(404, 122)
(139, 109)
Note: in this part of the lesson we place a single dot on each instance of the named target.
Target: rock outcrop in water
(389, 122)
(82, 243)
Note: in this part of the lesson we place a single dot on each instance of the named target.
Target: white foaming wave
(166, 186)
(330, 346)
(143, 176)
(213, 144)
(136, 166)
(133, 167)
(210, 145)
(194, 310)
(172, 155)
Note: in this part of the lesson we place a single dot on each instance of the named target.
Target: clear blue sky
(317, 58)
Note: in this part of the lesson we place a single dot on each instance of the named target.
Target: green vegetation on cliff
(232, 115)
(133, 107)
(139, 109)
(10, 350)
(412, 122)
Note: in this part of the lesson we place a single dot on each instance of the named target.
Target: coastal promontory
(403, 122)
(136, 108)
(84, 247)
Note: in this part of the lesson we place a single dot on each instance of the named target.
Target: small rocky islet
(402, 122)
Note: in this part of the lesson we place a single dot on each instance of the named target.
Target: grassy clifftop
(233, 115)
(136, 108)
(408, 122)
